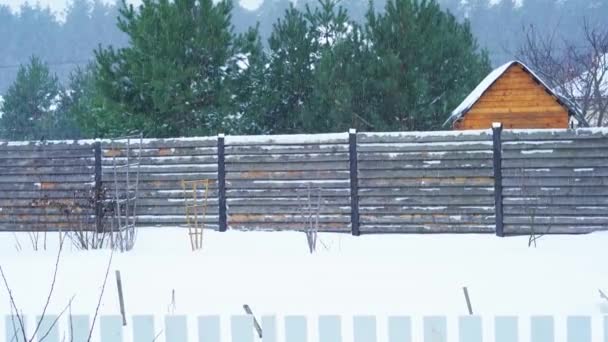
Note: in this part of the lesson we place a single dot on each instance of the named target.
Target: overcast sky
(58, 6)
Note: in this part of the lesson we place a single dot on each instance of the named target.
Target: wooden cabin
(514, 96)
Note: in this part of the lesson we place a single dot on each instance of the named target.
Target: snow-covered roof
(487, 82)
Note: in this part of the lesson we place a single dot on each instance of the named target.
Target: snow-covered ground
(274, 274)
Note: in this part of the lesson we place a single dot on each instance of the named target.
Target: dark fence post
(497, 144)
(354, 182)
(98, 189)
(221, 183)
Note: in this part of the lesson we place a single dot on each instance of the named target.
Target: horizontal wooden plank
(545, 154)
(286, 158)
(426, 182)
(166, 168)
(160, 152)
(555, 162)
(560, 220)
(285, 149)
(160, 143)
(425, 219)
(40, 186)
(367, 174)
(45, 162)
(446, 228)
(286, 201)
(556, 108)
(425, 191)
(108, 177)
(288, 175)
(291, 166)
(287, 184)
(431, 201)
(425, 164)
(288, 139)
(292, 210)
(557, 134)
(303, 219)
(80, 145)
(330, 227)
(543, 201)
(164, 160)
(555, 191)
(426, 210)
(42, 178)
(424, 137)
(424, 155)
(528, 173)
(425, 147)
(556, 210)
(519, 229)
(516, 181)
(313, 193)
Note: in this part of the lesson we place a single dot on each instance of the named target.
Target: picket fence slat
(435, 329)
(296, 329)
(47, 330)
(579, 329)
(541, 329)
(209, 329)
(176, 328)
(399, 329)
(143, 328)
(470, 329)
(330, 329)
(241, 328)
(364, 329)
(506, 329)
(80, 328)
(111, 328)
(13, 328)
(269, 329)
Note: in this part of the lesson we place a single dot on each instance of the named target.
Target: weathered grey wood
(287, 158)
(436, 147)
(557, 172)
(45, 170)
(448, 228)
(163, 152)
(288, 175)
(162, 143)
(46, 162)
(51, 194)
(433, 201)
(544, 154)
(556, 191)
(58, 154)
(286, 149)
(292, 166)
(426, 173)
(47, 145)
(173, 176)
(286, 184)
(426, 164)
(551, 144)
(165, 160)
(424, 137)
(289, 201)
(76, 178)
(571, 200)
(322, 227)
(427, 210)
(557, 220)
(426, 155)
(556, 210)
(288, 139)
(553, 229)
(294, 210)
(419, 218)
(163, 169)
(426, 191)
(302, 192)
(582, 133)
(285, 218)
(427, 182)
(515, 181)
(557, 163)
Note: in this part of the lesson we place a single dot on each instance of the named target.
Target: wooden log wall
(435, 182)
(555, 181)
(282, 182)
(164, 164)
(46, 185)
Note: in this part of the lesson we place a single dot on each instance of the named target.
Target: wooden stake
(466, 297)
(120, 298)
(256, 325)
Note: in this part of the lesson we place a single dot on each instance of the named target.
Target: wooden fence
(507, 182)
(368, 328)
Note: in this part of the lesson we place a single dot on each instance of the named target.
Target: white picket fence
(176, 328)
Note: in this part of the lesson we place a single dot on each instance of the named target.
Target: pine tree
(31, 104)
(170, 80)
